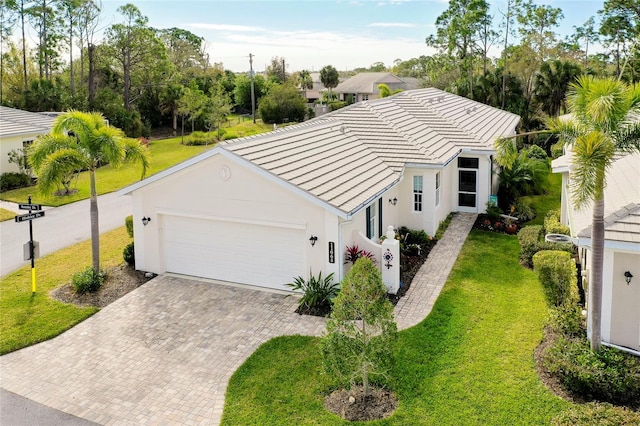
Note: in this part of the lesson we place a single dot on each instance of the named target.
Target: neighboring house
(364, 86)
(620, 300)
(264, 209)
(18, 129)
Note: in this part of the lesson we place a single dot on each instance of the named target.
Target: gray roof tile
(14, 122)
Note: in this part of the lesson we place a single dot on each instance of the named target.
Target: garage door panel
(260, 255)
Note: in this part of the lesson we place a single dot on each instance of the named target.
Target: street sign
(29, 216)
(30, 207)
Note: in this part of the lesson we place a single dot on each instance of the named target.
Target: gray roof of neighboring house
(14, 122)
(621, 203)
(348, 157)
(367, 82)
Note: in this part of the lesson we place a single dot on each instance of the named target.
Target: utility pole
(253, 93)
(284, 73)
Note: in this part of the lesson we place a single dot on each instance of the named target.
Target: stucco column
(390, 261)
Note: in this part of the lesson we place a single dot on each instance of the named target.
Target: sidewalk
(428, 282)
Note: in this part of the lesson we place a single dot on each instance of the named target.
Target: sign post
(35, 212)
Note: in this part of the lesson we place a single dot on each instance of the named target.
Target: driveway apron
(162, 354)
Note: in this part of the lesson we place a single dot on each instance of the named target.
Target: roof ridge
(621, 213)
(395, 127)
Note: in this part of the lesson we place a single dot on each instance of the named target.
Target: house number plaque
(332, 252)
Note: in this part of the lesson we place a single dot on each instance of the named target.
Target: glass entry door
(467, 189)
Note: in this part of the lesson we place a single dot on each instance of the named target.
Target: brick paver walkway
(428, 282)
(164, 353)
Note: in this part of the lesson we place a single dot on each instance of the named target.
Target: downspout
(491, 175)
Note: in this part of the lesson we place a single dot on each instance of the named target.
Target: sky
(310, 34)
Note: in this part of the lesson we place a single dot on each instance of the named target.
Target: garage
(260, 254)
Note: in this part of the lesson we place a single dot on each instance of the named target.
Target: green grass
(26, 319)
(549, 201)
(470, 362)
(6, 215)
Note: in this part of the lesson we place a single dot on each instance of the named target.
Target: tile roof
(348, 157)
(14, 122)
(367, 82)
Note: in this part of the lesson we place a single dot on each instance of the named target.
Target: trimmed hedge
(558, 275)
(87, 280)
(552, 224)
(129, 254)
(602, 414)
(531, 241)
(9, 181)
(200, 138)
(609, 375)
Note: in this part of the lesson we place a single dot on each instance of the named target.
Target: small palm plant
(317, 292)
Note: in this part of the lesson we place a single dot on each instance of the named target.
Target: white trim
(194, 215)
(622, 348)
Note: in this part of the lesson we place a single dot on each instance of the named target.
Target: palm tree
(306, 82)
(83, 141)
(605, 119)
(552, 83)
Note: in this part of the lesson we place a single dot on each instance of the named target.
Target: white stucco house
(621, 269)
(364, 86)
(264, 209)
(18, 129)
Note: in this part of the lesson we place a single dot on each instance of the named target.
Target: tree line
(141, 77)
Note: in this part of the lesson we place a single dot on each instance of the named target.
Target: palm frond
(592, 156)
(506, 152)
(107, 144)
(74, 121)
(57, 166)
(136, 153)
(45, 145)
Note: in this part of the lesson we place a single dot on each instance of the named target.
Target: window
(371, 221)
(417, 193)
(365, 97)
(467, 163)
(437, 188)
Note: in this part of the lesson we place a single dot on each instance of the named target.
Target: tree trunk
(24, 48)
(175, 123)
(73, 86)
(127, 83)
(95, 229)
(595, 282)
(91, 53)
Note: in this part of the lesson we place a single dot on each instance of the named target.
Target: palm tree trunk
(95, 230)
(595, 283)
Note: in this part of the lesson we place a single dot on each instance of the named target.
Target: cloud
(225, 27)
(392, 25)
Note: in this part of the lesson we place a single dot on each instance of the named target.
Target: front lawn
(6, 215)
(26, 319)
(469, 362)
(548, 201)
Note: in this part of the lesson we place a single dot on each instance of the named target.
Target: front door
(467, 184)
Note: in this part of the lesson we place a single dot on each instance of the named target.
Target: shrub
(531, 242)
(11, 180)
(567, 320)
(129, 254)
(128, 223)
(88, 280)
(552, 224)
(316, 292)
(493, 211)
(534, 151)
(353, 253)
(442, 227)
(358, 343)
(336, 105)
(601, 414)
(200, 138)
(523, 211)
(557, 273)
(609, 375)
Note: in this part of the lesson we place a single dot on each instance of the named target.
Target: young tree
(217, 108)
(82, 141)
(358, 342)
(276, 70)
(329, 78)
(588, 33)
(282, 104)
(604, 121)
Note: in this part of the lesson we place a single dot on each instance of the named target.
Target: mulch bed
(352, 404)
(484, 223)
(120, 281)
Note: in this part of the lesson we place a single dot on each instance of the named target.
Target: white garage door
(266, 256)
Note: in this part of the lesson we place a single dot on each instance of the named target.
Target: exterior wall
(200, 191)
(7, 144)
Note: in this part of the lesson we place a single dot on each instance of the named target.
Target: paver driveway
(162, 354)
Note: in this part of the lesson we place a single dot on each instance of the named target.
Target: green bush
(87, 280)
(493, 212)
(557, 273)
(531, 241)
(9, 181)
(335, 105)
(552, 224)
(523, 211)
(601, 414)
(316, 292)
(567, 320)
(609, 375)
(128, 223)
(200, 138)
(129, 254)
(534, 151)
